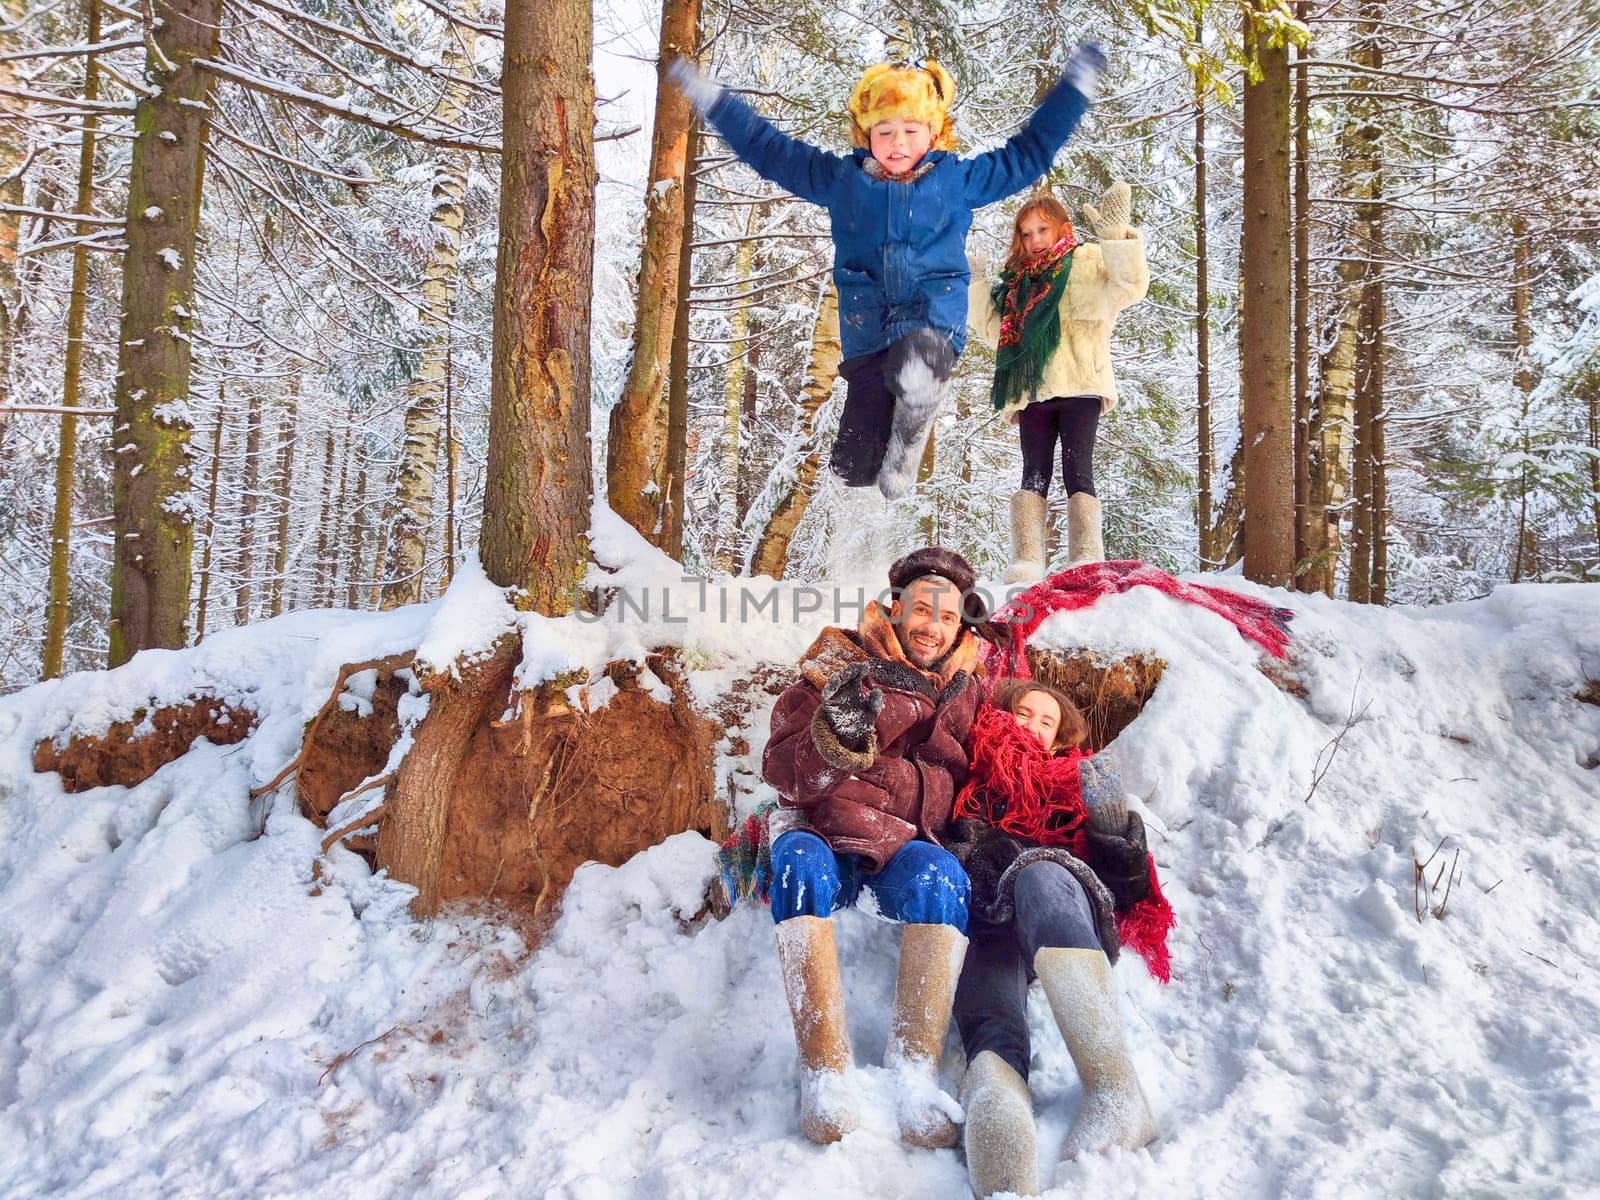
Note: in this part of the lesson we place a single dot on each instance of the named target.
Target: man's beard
(937, 664)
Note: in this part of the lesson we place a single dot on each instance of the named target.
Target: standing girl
(1049, 319)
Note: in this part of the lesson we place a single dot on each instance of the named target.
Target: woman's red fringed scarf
(1017, 786)
(1079, 587)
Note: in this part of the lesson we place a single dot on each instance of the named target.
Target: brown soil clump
(131, 751)
(1109, 693)
(348, 748)
(536, 799)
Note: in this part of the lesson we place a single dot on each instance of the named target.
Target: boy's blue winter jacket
(900, 259)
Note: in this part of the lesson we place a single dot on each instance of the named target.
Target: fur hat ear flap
(944, 134)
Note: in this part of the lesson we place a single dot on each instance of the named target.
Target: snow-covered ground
(183, 1014)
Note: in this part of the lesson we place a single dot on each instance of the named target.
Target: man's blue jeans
(922, 884)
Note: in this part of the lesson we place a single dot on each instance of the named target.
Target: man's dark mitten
(1122, 862)
(851, 709)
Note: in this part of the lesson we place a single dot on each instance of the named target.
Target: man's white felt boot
(810, 966)
(930, 961)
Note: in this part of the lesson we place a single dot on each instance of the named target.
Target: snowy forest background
(345, 265)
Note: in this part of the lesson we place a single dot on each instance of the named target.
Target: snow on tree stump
(1109, 692)
(129, 752)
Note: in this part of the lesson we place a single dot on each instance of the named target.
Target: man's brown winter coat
(904, 784)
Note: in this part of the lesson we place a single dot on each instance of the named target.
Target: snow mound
(183, 1013)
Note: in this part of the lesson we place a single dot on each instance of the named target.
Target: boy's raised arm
(1010, 168)
(794, 165)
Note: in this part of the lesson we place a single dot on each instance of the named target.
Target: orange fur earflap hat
(898, 91)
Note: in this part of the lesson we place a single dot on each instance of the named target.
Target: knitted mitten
(699, 88)
(1084, 67)
(1111, 218)
(1100, 781)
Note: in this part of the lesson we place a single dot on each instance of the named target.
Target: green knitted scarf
(1029, 302)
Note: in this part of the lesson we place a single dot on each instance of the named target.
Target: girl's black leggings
(1070, 420)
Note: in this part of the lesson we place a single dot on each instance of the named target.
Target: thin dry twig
(1320, 767)
(341, 1059)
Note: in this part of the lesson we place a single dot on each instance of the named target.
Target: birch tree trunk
(211, 514)
(153, 515)
(1202, 335)
(772, 549)
(1264, 402)
(285, 478)
(537, 492)
(405, 554)
(57, 605)
(639, 481)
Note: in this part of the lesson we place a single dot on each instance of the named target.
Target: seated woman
(1057, 865)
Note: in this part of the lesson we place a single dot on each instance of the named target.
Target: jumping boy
(900, 206)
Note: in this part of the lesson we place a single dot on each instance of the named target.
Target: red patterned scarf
(1018, 786)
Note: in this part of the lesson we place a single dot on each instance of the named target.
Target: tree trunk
(1202, 334)
(537, 493)
(151, 501)
(405, 555)
(1331, 449)
(1227, 536)
(733, 401)
(411, 835)
(772, 550)
(324, 569)
(211, 513)
(1522, 377)
(638, 476)
(248, 503)
(1367, 525)
(1264, 403)
(1593, 387)
(285, 479)
(57, 606)
(358, 539)
(678, 382)
(1305, 516)
(1359, 586)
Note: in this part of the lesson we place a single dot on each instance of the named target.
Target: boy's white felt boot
(1028, 530)
(1084, 542)
(810, 965)
(930, 961)
(1115, 1111)
(919, 384)
(1002, 1149)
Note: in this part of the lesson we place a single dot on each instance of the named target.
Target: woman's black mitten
(1122, 862)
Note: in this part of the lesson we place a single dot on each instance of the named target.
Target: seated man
(867, 752)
